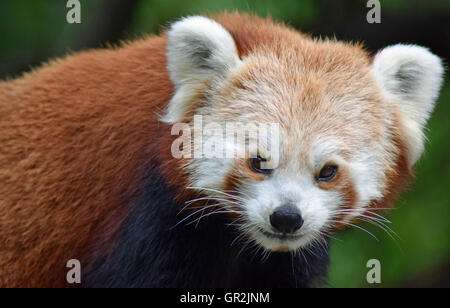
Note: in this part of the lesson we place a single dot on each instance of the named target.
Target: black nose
(286, 219)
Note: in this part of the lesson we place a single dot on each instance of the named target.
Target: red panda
(87, 171)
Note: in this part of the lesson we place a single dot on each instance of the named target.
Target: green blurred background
(34, 31)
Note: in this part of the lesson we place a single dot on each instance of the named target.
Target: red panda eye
(327, 173)
(255, 164)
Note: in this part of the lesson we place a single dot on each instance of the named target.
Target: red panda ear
(198, 49)
(410, 76)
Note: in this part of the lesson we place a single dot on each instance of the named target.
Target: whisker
(193, 213)
(210, 198)
(377, 222)
(237, 238)
(350, 211)
(211, 213)
(388, 231)
(322, 233)
(380, 216)
(216, 191)
(355, 226)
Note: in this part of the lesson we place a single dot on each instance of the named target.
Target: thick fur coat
(86, 170)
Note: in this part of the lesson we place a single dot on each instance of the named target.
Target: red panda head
(348, 128)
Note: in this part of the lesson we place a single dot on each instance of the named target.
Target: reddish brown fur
(398, 177)
(77, 137)
(342, 182)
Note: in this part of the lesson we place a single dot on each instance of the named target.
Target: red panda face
(347, 129)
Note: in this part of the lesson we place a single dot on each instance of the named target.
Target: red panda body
(85, 162)
(67, 131)
(83, 145)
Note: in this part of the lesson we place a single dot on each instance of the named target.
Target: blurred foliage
(33, 31)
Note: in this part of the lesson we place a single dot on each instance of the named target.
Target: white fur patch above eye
(198, 49)
(411, 77)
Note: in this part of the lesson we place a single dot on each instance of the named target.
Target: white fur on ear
(411, 77)
(198, 49)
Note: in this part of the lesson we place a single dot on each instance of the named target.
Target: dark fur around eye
(327, 173)
(255, 165)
